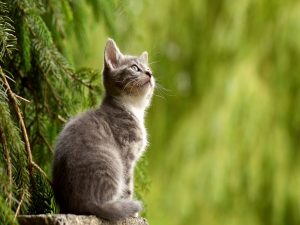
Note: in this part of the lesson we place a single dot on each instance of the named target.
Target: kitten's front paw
(139, 205)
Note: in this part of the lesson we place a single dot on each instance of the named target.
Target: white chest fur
(139, 147)
(137, 106)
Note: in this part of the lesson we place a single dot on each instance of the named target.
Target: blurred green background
(224, 125)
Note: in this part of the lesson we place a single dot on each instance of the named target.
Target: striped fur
(96, 152)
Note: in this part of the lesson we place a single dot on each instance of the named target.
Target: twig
(20, 118)
(62, 119)
(55, 95)
(36, 166)
(12, 80)
(19, 206)
(31, 163)
(45, 141)
(24, 99)
(9, 166)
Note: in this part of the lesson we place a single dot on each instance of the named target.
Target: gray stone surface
(69, 219)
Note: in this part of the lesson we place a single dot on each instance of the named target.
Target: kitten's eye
(135, 68)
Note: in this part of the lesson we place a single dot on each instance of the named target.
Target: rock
(70, 219)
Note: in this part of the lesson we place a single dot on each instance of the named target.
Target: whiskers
(160, 91)
(127, 85)
(153, 62)
(133, 86)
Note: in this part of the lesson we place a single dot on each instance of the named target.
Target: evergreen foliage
(39, 91)
(224, 140)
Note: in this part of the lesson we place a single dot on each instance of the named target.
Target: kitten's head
(125, 75)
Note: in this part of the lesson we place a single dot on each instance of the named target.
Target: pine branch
(75, 78)
(21, 98)
(55, 10)
(8, 40)
(56, 96)
(20, 118)
(50, 60)
(45, 141)
(8, 165)
(36, 166)
(62, 119)
(39, 29)
(86, 77)
(16, 147)
(19, 206)
(31, 163)
(25, 45)
(7, 215)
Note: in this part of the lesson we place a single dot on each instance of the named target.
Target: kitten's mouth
(147, 82)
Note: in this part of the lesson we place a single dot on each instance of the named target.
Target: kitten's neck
(135, 105)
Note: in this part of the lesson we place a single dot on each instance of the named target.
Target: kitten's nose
(148, 72)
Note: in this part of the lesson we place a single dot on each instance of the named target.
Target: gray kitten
(96, 151)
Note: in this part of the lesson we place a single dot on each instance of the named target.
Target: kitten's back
(87, 172)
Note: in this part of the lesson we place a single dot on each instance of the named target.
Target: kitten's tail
(115, 210)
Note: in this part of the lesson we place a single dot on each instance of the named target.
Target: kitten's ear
(144, 57)
(112, 54)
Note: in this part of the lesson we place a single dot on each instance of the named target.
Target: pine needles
(8, 40)
(39, 90)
